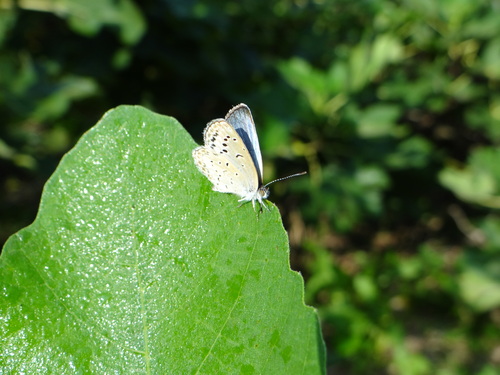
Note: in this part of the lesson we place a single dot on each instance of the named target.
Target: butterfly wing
(226, 161)
(241, 119)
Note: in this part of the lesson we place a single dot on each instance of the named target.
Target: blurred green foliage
(392, 106)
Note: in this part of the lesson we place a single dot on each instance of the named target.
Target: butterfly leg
(243, 201)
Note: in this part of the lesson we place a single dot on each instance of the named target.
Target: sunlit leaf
(134, 265)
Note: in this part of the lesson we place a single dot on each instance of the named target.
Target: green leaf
(480, 281)
(88, 17)
(378, 120)
(61, 96)
(308, 80)
(469, 185)
(479, 181)
(414, 152)
(490, 59)
(133, 265)
(368, 59)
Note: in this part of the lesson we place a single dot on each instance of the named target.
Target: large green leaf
(133, 265)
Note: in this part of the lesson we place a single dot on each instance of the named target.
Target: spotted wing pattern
(226, 161)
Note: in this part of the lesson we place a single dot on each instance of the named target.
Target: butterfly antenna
(284, 178)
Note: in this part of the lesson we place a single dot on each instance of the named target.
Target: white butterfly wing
(241, 119)
(226, 161)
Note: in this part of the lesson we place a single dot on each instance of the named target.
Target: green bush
(392, 107)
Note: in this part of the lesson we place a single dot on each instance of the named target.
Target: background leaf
(392, 107)
(133, 265)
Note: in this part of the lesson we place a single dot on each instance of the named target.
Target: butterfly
(231, 158)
